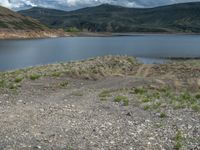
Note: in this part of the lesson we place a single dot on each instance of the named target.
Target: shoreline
(140, 60)
(31, 34)
(27, 35)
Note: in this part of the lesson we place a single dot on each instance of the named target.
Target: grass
(123, 99)
(72, 29)
(177, 100)
(197, 96)
(146, 107)
(119, 98)
(140, 91)
(18, 80)
(156, 95)
(64, 84)
(2, 83)
(125, 102)
(156, 105)
(90, 69)
(12, 86)
(34, 76)
(155, 99)
(77, 93)
(178, 140)
(104, 94)
(196, 107)
(131, 60)
(163, 115)
(56, 74)
(146, 99)
(8, 85)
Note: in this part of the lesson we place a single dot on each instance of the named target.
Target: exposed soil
(31, 34)
(111, 103)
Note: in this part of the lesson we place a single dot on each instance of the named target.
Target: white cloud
(5, 3)
(74, 4)
(15, 4)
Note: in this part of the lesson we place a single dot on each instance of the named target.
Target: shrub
(18, 80)
(139, 91)
(34, 76)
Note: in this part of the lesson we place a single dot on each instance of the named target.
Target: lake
(15, 54)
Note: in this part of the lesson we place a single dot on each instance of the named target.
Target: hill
(14, 25)
(184, 17)
(12, 20)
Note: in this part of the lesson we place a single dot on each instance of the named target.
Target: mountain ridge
(183, 17)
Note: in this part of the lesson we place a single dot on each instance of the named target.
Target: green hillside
(183, 17)
(14, 21)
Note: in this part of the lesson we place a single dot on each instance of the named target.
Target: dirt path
(144, 70)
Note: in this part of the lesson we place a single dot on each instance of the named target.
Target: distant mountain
(184, 17)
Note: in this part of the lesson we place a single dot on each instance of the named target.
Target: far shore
(13, 35)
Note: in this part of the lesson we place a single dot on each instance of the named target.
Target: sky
(76, 4)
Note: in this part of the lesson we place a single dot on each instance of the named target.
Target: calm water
(16, 54)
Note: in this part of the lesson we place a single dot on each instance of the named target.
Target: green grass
(146, 99)
(163, 115)
(7, 84)
(104, 94)
(77, 93)
(196, 107)
(18, 80)
(131, 60)
(34, 76)
(64, 84)
(123, 99)
(178, 140)
(146, 107)
(56, 74)
(72, 29)
(197, 96)
(119, 98)
(140, 91)
(2, 83)
(156, 95)
(125, 102)
(12, 86)
(156, 105)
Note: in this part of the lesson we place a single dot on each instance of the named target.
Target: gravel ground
(65, 113)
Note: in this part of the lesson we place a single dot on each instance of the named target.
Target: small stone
(39, 147)
(20, 101)
(41, 110)
(128, 114)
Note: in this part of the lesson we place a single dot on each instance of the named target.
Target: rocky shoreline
(110, 102)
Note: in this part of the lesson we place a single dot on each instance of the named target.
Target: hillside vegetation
(184, 17)
(15, 21)
(16, 26)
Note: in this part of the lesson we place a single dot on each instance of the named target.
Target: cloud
(74, 4)
(17, 4)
